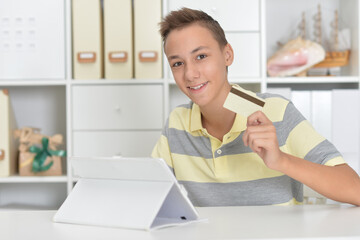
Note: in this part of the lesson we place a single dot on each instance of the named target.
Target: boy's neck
(216, 119)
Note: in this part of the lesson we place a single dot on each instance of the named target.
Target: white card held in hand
(242, 102)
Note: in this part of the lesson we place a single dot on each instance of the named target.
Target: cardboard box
(33, 143)
(25, 165)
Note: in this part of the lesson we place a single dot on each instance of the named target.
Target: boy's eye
(177, 64)
(201, 56)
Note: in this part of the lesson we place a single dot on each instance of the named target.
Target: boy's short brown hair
(185, 17)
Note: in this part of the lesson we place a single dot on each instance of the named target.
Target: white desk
(308, 221)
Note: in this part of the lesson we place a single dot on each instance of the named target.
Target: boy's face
(199, 64)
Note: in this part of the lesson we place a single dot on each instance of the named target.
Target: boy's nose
(191, 73)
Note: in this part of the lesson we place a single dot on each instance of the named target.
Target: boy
(225, 159)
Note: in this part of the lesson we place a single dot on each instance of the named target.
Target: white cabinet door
(233, 15)
(246, 48)
(345, 125)
(115, 143)
(321, 112)
(117, 107)
(32, 39)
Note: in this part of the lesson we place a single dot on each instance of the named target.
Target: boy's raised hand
(340, 183)
(260, 136)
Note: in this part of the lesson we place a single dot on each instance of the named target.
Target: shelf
(32, 83)
(250, 80)
(246, 80)
(35, 179)
(75, 179)
(310, 80)
(116, 81)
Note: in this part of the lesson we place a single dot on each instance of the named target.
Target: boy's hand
(340, 183)
(260, 136)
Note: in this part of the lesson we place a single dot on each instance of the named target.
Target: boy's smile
(198, 87)
(198, 64)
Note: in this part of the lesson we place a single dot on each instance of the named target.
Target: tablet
(135, 193)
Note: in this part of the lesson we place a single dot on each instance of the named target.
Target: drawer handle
(86, 57)
(148, 56)
(118, 56)
(2, 154)
(5, 20)
(118, 109)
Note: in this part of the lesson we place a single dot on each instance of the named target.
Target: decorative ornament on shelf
(295, 57)
(302, 57)
(42, 154)
(38, 154)
(338, 52)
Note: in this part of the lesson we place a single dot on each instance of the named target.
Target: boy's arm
(340, 183)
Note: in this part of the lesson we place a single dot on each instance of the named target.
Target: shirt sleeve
(305, 142)
(162, 149)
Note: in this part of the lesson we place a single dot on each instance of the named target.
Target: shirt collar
(195, 123)
(239, 124)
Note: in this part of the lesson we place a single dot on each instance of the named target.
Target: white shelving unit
(21, 179)
(312, 80)
(33, 83)
(263, 24)
(38, 98)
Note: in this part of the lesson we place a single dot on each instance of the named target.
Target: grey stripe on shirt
(265, 191)
(323, 152)
(182, 142)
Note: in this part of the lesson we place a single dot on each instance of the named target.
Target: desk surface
(266, 222)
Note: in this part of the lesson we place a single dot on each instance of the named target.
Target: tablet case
(134, 193)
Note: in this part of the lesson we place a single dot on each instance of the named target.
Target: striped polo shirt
(227, 173)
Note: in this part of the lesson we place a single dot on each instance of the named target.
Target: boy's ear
(229, 54)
